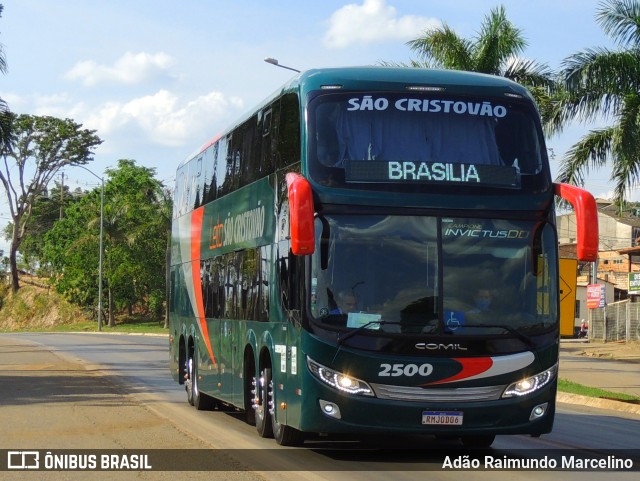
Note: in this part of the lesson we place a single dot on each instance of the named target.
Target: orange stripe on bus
(196, 236)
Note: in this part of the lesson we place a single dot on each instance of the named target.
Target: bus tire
(286, 435)
(199, 400)
(478, 441)
(283, 434)
(188, 383)
(202, 401)
(264, 426)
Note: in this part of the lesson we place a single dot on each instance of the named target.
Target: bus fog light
(330, 409)
(539, 411)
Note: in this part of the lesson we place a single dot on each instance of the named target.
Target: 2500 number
(397, 370)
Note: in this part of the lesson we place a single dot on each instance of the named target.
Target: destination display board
(431, 173)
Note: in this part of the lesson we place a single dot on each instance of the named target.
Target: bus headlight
(531, 384)
(340, 381)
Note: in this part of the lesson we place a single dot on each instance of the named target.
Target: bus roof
(378, 78)
(394, 78)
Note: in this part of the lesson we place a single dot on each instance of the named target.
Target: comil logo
(23, 460)
(432, 346)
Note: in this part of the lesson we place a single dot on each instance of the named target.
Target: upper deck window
(418, 138)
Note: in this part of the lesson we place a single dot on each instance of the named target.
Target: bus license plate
(442, 418)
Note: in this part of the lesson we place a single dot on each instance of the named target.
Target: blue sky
(157, 79)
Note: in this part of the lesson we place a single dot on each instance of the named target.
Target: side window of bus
(217, 289)
(269, 128)
(207, 276)
(290, 275)
(249, 151)
(283, 276)
(253, 285)
(208, 171)
(183, 307)
(234, 261)
(172, 291)
(228, 181)
(518, 142)
(197, 183)
(220, 163)
(236, 285)
(179, 207)
(288, 135)
(243, 158)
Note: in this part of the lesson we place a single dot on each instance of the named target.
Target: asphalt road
(53, 399)
(104, 391)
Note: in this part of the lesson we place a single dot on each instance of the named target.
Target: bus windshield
(417, 275)
(376, 140)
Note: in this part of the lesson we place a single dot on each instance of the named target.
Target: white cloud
(131, 68)
(164, 118)
(13, 100)
(373, 21)
(57, 105)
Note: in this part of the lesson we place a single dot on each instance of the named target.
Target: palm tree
(5, 117)
(604, 83)
(495, 50)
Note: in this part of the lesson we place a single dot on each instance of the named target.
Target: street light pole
(274, 61)
(100, 256)
(101, 245)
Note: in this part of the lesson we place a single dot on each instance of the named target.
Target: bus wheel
(202, 402)
(264, 425)
(480, 441)
(250, 391)
(286, 435)
(188, 384)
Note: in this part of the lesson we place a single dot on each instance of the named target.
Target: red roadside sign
(595, 296)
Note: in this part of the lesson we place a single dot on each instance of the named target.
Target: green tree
(47, 209)
(494, 50)
(604, 83)
(71, 249)
(41, 146)
(136, 229)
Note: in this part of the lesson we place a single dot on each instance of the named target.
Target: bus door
(287, 337)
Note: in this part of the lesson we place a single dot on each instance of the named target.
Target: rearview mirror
(301, 212)
(586, 220)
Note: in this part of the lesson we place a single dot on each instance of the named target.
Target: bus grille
(419, 394)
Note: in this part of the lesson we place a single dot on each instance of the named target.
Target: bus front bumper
(334, 412)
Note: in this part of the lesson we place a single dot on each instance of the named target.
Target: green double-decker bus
(374, 250)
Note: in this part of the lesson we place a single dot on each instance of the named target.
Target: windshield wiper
(520, 335)
(342, 339)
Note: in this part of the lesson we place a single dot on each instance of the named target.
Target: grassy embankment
(38, 309)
